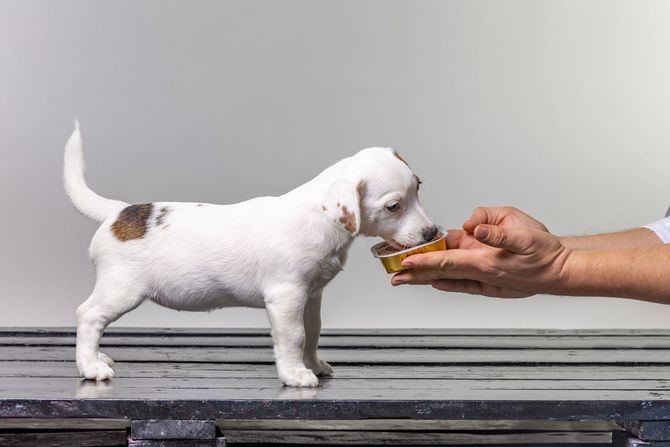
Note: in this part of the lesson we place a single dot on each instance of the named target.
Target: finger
(444, 259)
(516, 240)
(453, 264)
(454, 238)
(458, 285)
(483, 215)
(477, 288)
(416, 277)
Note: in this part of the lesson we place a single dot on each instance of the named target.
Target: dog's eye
(393, 207)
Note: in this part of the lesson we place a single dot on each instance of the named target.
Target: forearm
(642, 273)
(636, 238)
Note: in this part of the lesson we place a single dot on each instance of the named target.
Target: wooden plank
(60, 424)
(329, 389)
(407, 342)
(290, 403)
(112, 331)
(106, 438)
(357, 356)
(539, 387)
(351, 425)
(648, 430)
(219, 442)
(172, 429)
(49, 369)
(415, 438)
(623, 439)
(419, 425)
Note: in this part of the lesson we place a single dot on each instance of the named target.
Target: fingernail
(407, 263)
(481, 233)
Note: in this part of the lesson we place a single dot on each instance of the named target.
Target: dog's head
(377, 195)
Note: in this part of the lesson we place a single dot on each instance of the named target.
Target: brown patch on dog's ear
(348, 219)
(360, 189)
(161, 217)
(397, 155)
(132, 222)
(323, 207)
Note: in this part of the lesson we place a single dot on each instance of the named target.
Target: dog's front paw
(96, 370)
(320, 368)
(105, 358)
(301, 377)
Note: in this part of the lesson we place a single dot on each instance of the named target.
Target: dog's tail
(84, 199)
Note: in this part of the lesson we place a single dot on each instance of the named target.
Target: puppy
(276, 253)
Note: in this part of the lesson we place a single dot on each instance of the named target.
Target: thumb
(512, 239)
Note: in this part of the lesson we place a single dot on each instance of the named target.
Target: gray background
(558, 107)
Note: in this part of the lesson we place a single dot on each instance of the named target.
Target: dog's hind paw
(301, 377)
(105, 359)
(97, 370)
(320, 368)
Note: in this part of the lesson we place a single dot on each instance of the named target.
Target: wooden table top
(416, 374)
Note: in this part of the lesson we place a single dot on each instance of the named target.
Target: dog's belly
(199, 298)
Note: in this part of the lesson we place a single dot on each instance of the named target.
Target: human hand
(508, 262)
(506, 217)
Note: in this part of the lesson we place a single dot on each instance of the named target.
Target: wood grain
(454, 387)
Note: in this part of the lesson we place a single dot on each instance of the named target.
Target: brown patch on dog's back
(160, 219)
(132, 222)
(397, 155)
(348, 219)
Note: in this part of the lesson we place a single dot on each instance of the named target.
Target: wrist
(567, 242)
(571, 273)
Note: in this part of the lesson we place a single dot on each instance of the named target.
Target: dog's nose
(429, 233)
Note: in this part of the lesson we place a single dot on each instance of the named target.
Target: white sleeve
(661, 228)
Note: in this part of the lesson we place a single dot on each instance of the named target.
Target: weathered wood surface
(351, 425)
(624, 439)
(648, 430)
(198, 332)
(378, 431)
(413, 374)
(416, 438)
(367, 356)
(220, 442)
(71, 438)
(352, 341)
(173, 429)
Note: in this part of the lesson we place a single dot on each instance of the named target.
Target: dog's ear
(343, 205)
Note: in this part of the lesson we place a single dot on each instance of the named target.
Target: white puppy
(272, 252)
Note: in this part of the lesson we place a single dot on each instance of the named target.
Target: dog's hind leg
(312, 318)
(285, 304)
(106, 304)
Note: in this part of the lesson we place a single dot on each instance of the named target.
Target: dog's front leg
(312, 318)
(285, 306)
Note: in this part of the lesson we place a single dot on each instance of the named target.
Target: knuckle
(480, 210)
(446, 263)
(492, 272)
(498, 237)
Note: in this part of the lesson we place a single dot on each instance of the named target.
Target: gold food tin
(392, 262)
